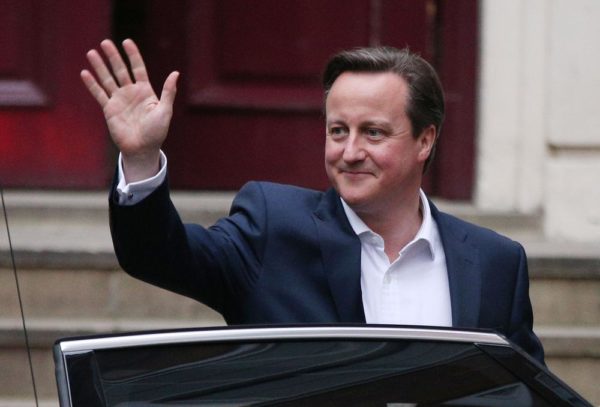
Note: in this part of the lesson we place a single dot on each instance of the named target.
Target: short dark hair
(425, 105)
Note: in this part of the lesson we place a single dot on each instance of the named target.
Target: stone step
(78, 220)
(94, 294)
(573, 354)
(62, 288)
(565, 301)
(43, 332)
(27, 402)
(206, 206)
(45, 224)
(15, 375)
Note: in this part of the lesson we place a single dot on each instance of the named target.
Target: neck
(397, 226)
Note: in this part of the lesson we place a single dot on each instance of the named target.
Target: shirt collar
(426, 233)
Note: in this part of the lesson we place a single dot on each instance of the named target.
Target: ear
(426, 141)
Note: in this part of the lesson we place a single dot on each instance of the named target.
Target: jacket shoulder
(276, 195)
(479, 235)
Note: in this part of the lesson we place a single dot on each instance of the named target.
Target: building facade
(538, 137)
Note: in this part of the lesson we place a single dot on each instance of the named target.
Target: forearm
(153, 245)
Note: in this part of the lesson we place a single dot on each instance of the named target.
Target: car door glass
(295, 373)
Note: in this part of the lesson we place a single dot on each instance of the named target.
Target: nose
(354, 149)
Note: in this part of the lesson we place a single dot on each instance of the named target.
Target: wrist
(139, 167)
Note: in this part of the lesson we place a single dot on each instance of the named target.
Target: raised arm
(137, 120)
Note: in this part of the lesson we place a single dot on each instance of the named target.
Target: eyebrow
(368, 123)
(335, 121)
(376, 123)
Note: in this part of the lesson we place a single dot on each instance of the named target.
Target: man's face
(371, 156)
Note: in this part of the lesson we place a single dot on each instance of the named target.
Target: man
(371, 249)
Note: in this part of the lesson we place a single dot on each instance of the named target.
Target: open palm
(137, 120)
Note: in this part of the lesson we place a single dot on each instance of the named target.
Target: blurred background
(519, 151)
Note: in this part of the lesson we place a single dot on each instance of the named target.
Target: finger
(169, 90)
(96, 90)
(105, 78)
(138, 68)
(116, 62)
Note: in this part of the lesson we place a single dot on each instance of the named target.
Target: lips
(354, 170)
(355, 175)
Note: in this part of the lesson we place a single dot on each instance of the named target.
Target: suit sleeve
(521, 319)
(215, 265)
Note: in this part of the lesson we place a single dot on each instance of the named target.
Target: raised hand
(137, 120)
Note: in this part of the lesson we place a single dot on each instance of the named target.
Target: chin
(352, 193)
(352, 199)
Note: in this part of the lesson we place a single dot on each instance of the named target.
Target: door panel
(249, 103)
(51, 134)
(22, 81)
(453, 172)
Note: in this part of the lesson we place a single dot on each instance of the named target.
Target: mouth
(353, 174)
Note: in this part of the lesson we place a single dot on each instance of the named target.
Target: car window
(295, 373)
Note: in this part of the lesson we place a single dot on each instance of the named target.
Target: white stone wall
(539, 114)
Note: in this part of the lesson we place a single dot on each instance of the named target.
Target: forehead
(367, 92)
(359, 80)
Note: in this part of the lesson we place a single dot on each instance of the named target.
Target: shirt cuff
(134, 192)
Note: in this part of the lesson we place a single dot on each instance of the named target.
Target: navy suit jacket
(289, 255)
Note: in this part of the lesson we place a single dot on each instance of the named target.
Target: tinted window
(320, 372)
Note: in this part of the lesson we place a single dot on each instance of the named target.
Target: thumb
(169, 89)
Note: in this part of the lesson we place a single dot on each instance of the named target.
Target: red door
(51, 134)
(250, 102)
(249, 105)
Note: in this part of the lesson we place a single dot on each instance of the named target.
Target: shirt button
(387, 279)
(130, 196)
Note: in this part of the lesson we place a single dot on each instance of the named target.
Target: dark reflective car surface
(299, 366)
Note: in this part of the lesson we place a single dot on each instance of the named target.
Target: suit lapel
(463, 271)
(340, 250)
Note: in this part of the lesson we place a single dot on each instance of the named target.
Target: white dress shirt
(413, 289)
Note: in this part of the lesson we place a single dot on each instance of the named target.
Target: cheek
(332, 152)
(384, 157)
(330, 163)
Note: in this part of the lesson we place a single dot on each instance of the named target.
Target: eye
(337, 132)
(374, 133)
